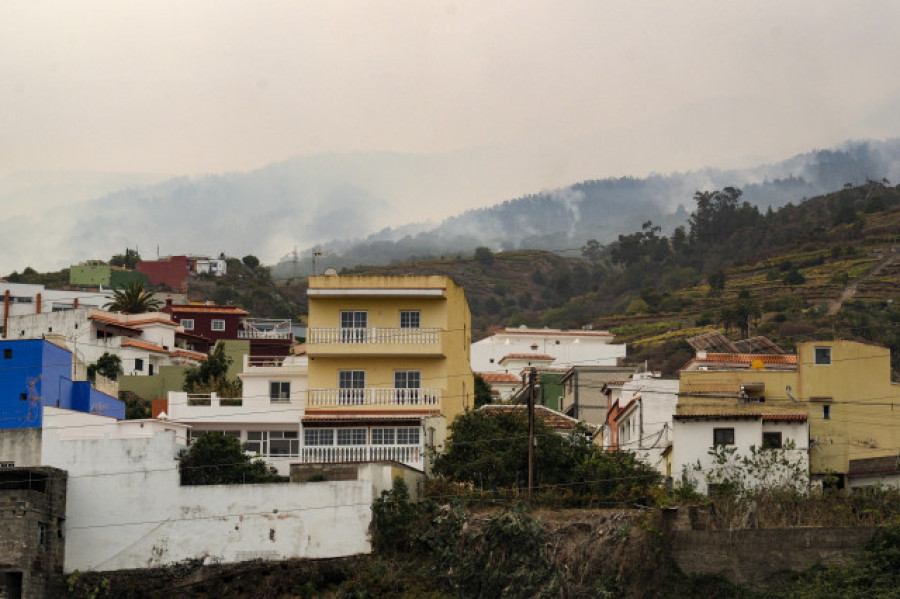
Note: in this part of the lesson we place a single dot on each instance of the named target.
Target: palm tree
(133, 299)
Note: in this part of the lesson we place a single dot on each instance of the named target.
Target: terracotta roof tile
(555, 420)
(144, 345)
(208, 310)
(538, 357)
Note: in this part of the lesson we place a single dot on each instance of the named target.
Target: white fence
(374, 396)
(374, 335)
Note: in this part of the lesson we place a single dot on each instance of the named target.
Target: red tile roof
(144, 345)
(538, 357)
(208, 309)
(742, 416)
(555, 420)
(743, 359)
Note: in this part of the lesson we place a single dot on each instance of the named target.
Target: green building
(97, 273)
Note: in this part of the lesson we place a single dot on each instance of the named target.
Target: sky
(569, 90)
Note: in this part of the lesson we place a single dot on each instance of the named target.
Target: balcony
(373, 340)
(374, 397)
(209, 407)
(412, 455)
(262, 328)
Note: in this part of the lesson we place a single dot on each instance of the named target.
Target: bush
(217, 459)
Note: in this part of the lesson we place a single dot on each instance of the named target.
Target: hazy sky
(587, 89)
(189, 87)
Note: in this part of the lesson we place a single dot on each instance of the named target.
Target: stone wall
(32, 530)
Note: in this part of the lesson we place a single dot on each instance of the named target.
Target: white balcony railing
(335, 454)
(259, 328)
(373, 396)
(212, 400)
(374, 335)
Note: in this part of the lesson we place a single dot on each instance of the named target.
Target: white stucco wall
(126, 509)
(694, 439)
(650, 418)
(568, 349)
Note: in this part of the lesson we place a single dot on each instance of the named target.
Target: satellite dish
(330, 272)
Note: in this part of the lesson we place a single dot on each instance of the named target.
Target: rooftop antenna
(316, 252)
(295, 260)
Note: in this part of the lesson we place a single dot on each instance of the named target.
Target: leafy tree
(127, 260)
(250, 261)
(794, 277)
(108, 365)
(483, 394)
(211, 375)
(217, 459)
(716, 280)
(592, 250)
(484, 256)
(133, 299)
(488, 448)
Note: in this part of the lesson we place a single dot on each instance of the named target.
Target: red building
(212, 323)
(171, 272)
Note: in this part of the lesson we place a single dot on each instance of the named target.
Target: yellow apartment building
(844, 387)
(389, 366)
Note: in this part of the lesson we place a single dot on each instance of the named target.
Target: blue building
(35, 373)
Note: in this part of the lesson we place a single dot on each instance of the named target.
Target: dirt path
(850, 290)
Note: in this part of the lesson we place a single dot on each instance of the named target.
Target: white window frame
(318, 437)
(825, 356)
(410, 319)
(217, 325)
(259, 446)
(351, 436)
(284, 443)
(282, 393)
(409, 435)
(187, 324)
(354, 326)
(351, 386)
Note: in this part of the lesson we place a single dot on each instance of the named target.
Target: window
(408, 435)
(218, 325)
(284, 443)
(188, 324)
(410, 319)
(7, 354)
(150, 369)
(23, 397)
(353, 326)
(42, 534)
(407, 384)
(318, 436)
(194, 434)
(257, 442)
(351, 436)
(826, 412)
(771, 440)
(351, 387)
(723, 436)
(280, 391)
(823, 355)
(7, 464)
(139, 364)
(382, 436)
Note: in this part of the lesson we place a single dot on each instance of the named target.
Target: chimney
(37, 309)
(75, 303)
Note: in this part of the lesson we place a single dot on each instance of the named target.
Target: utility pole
(531, 375)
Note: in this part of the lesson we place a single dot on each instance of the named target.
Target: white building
(645, 421)
(20, 299)
(697, 434)
(144, 342)
(266, 417)
(208, 266)
(508, 350)
(126, 508)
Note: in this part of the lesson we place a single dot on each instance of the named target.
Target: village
(364, 391)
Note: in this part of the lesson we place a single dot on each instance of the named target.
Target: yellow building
(388, 366)
(843, 386)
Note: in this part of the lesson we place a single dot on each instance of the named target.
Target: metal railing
(374, 335)
(373, 396)
(261, 328)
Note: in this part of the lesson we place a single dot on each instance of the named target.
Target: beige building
(844, 387)
(388, 366)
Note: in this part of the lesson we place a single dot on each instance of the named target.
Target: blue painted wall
(35, 373)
